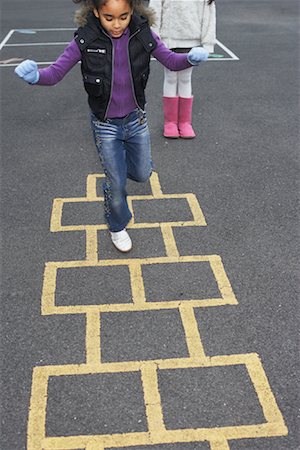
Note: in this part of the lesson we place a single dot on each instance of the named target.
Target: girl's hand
(196, 55)
(28, 70)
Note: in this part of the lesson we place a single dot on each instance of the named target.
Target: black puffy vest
(97, 61)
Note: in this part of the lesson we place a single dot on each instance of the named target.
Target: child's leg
(185, 83)
(110, 145)
(185, 104)
(138, 148)
(170, 83)
(170, 104)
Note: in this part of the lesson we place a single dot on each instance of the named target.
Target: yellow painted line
(157, 434)
(155, 185)
(150, 197)
(199, 219)
(264, 393)
(220, 435)
(159, 224)
(222, 280)
(214, 260)
(94, 445)
(49, 308)
(192, 333)
(104, 441)
(37, 410)
(56, 215)
(48, 291)
(137, 285)
(196, 210)
(219, 444)
(152, 399)
(93, 352)
(217, 436)
(130, 206)
(169, 240)
(91, 196)
(67, 228)
(91, 185)
(91, 245)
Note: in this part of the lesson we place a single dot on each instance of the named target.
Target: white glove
(196, 55)
(28, 70)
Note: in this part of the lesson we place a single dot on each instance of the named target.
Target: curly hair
(89, 5)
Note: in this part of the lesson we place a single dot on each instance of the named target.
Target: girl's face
(114, 16)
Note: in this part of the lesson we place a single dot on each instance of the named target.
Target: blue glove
(196, 55)
(28, 70)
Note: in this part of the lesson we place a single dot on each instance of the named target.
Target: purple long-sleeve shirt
(122, 100)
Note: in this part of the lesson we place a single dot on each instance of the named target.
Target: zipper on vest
(129, 65)
(112, 74)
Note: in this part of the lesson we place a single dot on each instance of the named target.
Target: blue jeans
(124, 149)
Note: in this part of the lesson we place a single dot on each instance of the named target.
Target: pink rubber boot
(185, 118)
(170, 105)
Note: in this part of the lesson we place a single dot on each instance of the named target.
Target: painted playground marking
(157, 433)
(31, 31)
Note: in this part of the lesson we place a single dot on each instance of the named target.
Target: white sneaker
(121, 240)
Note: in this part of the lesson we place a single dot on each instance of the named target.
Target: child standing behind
(182, 24)
(114, 44)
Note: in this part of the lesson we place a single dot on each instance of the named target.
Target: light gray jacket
(185, 23)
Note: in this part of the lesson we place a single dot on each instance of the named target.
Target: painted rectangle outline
(274, 425)
(58, 204)
(137, 287)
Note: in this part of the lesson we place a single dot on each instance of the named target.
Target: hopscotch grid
(218, 437)
(233, 56)
(274, 424)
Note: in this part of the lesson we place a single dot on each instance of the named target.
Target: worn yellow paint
(56, 215)
(37, 410)
(169, 240)
(222, 280)
(91, 196)
(91, 245)
(137, 284)
(219, 444)
(192, 334)
(274, 425)
(91, 185)
(93, 338)
(152, 399)
(94, 445)
(155, 185)
(196, 210)
(264, 392)
(218, 437)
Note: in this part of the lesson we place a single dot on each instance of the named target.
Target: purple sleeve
(172, 61)
(53, 74)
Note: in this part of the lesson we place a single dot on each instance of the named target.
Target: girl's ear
(96, 13)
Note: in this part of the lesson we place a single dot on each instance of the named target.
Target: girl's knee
(141, 177)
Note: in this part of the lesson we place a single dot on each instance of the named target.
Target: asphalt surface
(242, 168)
